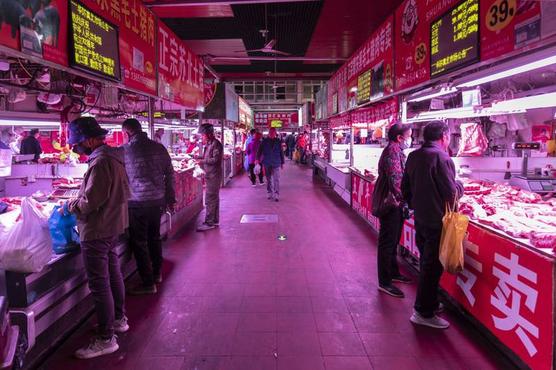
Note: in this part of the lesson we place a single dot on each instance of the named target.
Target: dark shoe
(276, 199)
(142, 290)
(391, 290)
(401, 279)
(205, 227)
(269, 197)
(158, 278)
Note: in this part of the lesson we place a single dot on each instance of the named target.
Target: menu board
(364, 87)
(455, 38)
(94, 43)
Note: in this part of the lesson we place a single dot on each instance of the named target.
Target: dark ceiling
(316, 29)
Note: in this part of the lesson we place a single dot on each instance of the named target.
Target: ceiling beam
(164, 3)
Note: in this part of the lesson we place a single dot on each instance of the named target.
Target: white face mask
(406, 144)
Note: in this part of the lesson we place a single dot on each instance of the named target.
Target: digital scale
(536, 184)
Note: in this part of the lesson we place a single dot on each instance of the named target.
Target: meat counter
(508, 285)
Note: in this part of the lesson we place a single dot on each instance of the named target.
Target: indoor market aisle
(239, 298)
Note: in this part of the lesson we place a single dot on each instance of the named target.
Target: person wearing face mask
(390, 173)
(429, 183)
(151, 178)
(102, 215)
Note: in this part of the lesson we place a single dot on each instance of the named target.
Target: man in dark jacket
(31, 145)
(271, 155)
(151, 177)
(290, 143)
(211, 161)
(428, 185)
(101, 210)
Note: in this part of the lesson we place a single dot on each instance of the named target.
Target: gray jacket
(101, 206)
(150, 172)
(212, 159)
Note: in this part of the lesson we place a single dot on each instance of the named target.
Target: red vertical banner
(412, 39)
(510, 290)
(137, 32)
(361, 199)
(180, 71)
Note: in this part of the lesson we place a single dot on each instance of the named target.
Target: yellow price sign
(500, 14)
(420, 53)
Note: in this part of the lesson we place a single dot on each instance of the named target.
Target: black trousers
(252, 175)
(428, 242)
(145, 242)
(391, 225)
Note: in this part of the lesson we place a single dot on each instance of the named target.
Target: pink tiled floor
(237, 298)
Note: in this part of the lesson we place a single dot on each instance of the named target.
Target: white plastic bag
(26, 247)
(257, 169)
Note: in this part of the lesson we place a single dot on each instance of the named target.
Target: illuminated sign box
(94, 43)
(364, 87)
(455, 38)
(276, 123)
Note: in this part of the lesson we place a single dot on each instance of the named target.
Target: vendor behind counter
(31, 145)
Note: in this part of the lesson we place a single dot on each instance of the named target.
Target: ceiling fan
(268, 48)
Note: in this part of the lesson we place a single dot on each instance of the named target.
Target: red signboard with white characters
(361, 199)
(49, 20)
(508, 25)
(180, 71)
(341, 121)
(382, 111)
(289, 120)
(510, 290)
(137, 27)
(377, 55)
(408, 239)
(412, 39)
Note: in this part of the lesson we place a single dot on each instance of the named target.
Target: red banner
(509, 289)
(49, 20)
(508, 25)
(387, 110)
(290, 120)
(361, 199)
(377, 55)
(341, 121)
(180, 72)
(136, 38)
(412, 39)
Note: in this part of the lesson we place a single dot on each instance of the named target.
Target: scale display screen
(94, 43)
(527, 146)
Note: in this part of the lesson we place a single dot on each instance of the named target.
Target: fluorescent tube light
(443, 91)
(529, 102)
(544, 62)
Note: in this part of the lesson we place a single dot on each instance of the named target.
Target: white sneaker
(98, 347)
(433, 322)
(121, 325)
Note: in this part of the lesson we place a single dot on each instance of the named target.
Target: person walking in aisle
(290, 143)
(102, 214)
(151, 177)
(302, 147)
(390, 202)
(428, 185)
(270, 154)
(252, 151)
(211, 161)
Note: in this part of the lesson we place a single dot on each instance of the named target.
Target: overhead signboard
(455, 38)
(137, 32)
(180, 72)
(94, 43)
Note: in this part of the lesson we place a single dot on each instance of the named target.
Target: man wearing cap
(151, 177)
(102, 214)
(211, 161)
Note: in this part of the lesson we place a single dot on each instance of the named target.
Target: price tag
(500, 15)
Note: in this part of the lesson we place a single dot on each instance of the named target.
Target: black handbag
(383, 199)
